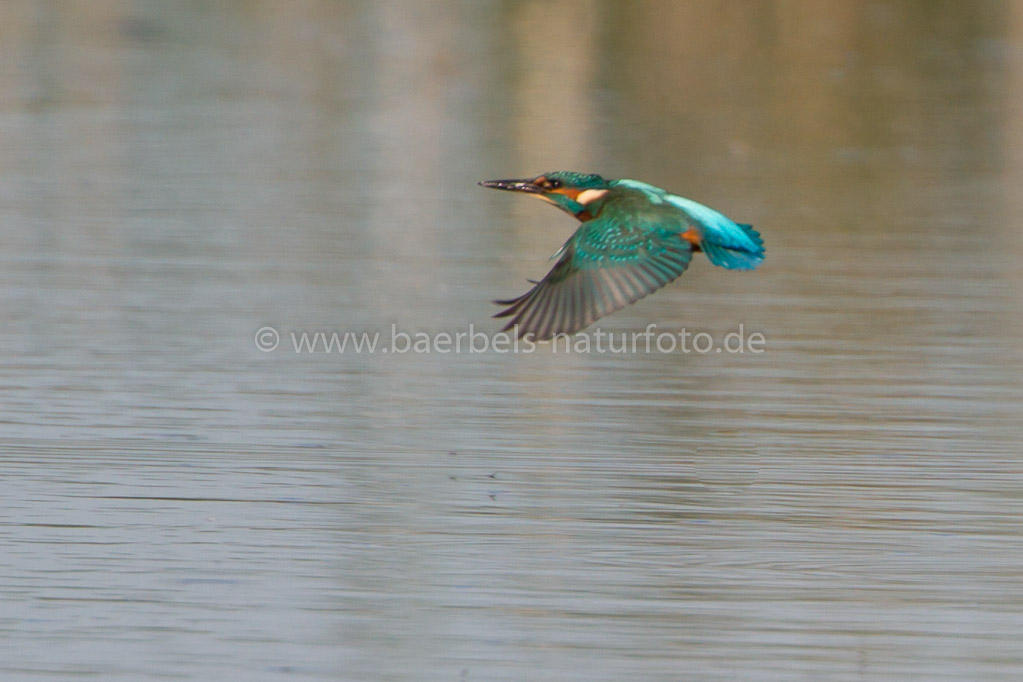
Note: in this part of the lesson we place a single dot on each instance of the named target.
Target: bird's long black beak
(513, 185)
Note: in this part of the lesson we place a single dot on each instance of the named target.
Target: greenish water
(182, 504)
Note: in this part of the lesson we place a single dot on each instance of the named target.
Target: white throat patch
(589, 195)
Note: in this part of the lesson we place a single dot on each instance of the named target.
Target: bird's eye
(553, 184)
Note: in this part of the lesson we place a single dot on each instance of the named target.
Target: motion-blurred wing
(606, 265)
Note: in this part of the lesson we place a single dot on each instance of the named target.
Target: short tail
(735, 251)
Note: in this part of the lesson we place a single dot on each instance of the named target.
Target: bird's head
(570, 191)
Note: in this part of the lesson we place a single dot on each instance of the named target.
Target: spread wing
(606, 265)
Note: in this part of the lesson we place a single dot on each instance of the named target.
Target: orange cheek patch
(572, 194)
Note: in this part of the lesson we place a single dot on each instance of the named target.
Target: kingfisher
(633, 239)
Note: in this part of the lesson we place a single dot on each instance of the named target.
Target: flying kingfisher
(634, 239)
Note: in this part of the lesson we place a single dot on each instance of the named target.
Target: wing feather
(603, 267)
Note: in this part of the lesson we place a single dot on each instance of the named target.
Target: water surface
(179, 504)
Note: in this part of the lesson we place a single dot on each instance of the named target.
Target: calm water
(178, 504)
